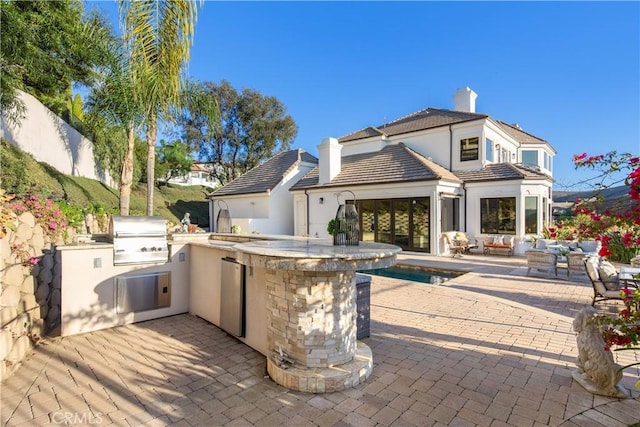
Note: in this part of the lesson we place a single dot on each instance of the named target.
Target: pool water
(433, 277)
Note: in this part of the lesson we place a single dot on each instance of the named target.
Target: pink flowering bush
(46, 213)
(618, 227)
(21, 251)
(623, 331)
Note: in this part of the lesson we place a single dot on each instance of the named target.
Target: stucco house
(199, 174)
(260, 201)
(430, 172)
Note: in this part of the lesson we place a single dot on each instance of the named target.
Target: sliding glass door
(402, 222)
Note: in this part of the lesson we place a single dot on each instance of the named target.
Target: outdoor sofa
(492, 244)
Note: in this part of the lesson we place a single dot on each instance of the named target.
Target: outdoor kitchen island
(308, 292)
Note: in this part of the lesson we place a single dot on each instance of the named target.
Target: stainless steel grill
(138, 239)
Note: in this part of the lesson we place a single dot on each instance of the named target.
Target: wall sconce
(321, 200)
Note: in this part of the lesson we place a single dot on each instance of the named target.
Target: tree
(174, 159)
(112, 110)
(158, 36)
(45, 47)
(252, 128)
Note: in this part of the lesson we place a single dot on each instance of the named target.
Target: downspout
(307, 196)
(464, 189)
(450, 148)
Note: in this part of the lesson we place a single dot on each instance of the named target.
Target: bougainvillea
(46, 213)
(617, 227)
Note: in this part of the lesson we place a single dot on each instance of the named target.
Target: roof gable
(393, 163)
(267, 176)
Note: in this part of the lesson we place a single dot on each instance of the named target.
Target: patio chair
(542, 260)
(456, 246)
(600, 292)
(575, 263)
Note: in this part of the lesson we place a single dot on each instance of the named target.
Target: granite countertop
(317, 248)
(315, 255)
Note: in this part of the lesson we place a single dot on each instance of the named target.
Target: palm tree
(158, 36)
(112, 106)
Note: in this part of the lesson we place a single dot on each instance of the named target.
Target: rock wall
(29, 290)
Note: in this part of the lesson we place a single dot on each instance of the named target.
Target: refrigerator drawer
(143, 292)
(232, 294)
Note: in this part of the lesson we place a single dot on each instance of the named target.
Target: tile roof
(420, 120)
(518, 134)
(267, 176)
(394, 163)
(501, 171)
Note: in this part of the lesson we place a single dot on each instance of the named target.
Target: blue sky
(568, 72)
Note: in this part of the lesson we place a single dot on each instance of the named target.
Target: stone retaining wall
(29, 288)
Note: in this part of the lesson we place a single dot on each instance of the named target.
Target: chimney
(329, 161)
(465, 100)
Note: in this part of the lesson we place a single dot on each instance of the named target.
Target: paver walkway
(491, 348)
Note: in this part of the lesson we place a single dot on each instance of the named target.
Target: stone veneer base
(325, 380)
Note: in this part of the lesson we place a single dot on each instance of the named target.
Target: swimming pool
(434, 277)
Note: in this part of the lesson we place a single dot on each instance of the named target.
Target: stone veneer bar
(311, 310)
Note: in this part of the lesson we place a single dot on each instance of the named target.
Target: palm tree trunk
(152, 131)
(126, 179)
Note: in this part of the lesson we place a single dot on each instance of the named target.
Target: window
(488, 150)
(531, 215)
(469, 149)
(547, 161)
(530, 157)
(498, 215)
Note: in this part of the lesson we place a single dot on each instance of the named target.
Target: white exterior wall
(321, 213)
(51, 140)
(367, 145)
(500, 141)
(477, 191)
(432, 143)
(265, 213)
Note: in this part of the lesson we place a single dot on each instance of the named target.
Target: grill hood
(137, 226)
(138, 239)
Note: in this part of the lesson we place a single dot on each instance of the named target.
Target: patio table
(626, 276)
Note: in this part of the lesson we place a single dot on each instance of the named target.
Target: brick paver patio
(490, 348)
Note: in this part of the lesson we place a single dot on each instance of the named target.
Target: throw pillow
(488, 240)
(498, 240)
(608, 275)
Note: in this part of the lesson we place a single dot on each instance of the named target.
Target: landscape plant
(158, 36)
(618, 229)
(46, 212)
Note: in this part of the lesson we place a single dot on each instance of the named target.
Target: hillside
(21, 173)
(613, 193)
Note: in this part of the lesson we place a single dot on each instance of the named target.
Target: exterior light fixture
(321, 200)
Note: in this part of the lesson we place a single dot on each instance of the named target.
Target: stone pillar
(311, 316)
